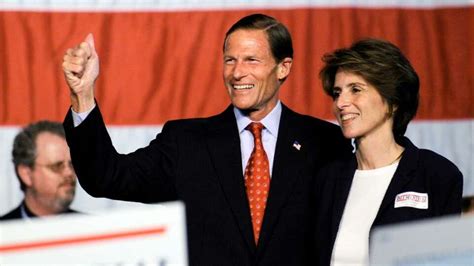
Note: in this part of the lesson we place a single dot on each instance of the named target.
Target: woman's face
(359, 108)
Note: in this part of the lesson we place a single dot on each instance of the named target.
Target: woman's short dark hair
(24, 145)
(382, 65)
(278, 35)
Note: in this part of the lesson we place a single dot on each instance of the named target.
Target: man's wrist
(78, 117)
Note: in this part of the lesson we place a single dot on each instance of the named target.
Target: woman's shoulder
(436, 162)
(440, 170)
(428, 160)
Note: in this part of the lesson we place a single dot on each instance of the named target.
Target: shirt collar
(271, 122)
(26, 213)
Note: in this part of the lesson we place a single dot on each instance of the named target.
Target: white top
(365, 196)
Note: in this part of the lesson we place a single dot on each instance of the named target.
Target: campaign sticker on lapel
(412, 199)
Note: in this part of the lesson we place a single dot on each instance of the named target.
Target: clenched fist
(81, 68)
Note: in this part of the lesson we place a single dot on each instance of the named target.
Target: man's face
(52, 179)
(251, 74)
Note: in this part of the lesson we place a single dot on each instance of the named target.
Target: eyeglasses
(58, 167)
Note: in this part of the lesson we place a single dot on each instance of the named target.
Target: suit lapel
(224, 147)
(401, 176)
(343, 187)
(287, 167)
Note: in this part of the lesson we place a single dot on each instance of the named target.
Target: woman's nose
(342, 100)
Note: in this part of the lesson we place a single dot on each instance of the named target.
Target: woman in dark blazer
(387, 180)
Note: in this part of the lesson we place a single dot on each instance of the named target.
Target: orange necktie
(257, 179)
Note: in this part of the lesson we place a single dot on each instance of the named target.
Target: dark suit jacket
(198, 161)
(419, 170)
(16, 213)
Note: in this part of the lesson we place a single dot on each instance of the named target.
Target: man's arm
(145, 175)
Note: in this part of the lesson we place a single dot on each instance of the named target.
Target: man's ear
(25, 173)
(284, 68)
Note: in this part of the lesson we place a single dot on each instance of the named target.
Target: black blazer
(198, 161)
(16, 213)
(419, 170)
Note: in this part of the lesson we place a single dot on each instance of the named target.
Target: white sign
(439, 241)
(148, 235)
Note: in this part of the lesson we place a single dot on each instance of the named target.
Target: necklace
(396, 159)
(359, 164)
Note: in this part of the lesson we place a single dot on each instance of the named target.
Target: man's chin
(67, 196)
(64, 203)
(244, 107)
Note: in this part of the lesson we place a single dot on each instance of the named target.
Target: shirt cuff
(77, 118)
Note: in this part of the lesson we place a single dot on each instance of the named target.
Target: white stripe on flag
(452, 139)
(183, 5)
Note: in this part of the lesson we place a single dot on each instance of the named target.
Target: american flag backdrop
(162, 60)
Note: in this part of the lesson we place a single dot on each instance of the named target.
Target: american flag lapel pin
(296, 145)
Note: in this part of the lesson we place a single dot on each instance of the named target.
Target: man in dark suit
(246, 203)
(44, 169)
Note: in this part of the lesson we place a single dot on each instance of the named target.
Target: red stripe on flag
(81, 239)
(157, 66)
